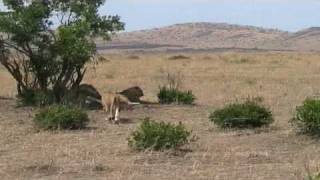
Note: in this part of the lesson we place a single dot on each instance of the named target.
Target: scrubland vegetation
(224, 135)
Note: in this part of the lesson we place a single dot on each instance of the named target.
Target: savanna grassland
(284, 80)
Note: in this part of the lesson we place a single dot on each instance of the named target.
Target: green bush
(158, 136)
(61, 117)
(77, 97)
(313, 177)
(249, 114)
(307, 117)
(169, 96)
(36, 98)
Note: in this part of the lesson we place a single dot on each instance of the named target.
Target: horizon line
(226, 23)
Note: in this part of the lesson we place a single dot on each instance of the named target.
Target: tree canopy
(45, 44)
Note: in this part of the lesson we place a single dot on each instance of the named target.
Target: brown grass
(101, 152)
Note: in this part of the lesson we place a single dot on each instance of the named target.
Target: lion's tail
(89, 98)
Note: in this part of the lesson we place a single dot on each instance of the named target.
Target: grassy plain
(284, 80)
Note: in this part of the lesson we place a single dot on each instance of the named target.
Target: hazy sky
(290, 15)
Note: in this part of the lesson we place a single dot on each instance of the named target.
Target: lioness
(113, 103)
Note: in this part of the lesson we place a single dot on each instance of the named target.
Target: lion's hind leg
(116, 116)
(108, 111)
(111, 112)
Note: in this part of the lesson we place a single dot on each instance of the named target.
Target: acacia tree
(45, 44)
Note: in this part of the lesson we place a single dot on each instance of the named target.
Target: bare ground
(101, 151)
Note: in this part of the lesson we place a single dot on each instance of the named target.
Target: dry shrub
(134, 57)
(178, 57)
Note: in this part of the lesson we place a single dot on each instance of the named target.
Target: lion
(113, 103)
(133, 93)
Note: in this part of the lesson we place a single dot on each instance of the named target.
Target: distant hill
(214, 37)
(305, 40)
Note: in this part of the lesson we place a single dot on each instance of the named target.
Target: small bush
(61, 117)
(158, 136)
(36, 98)
(134, 57)
(169, 96)
(307, 117)
(177, 57)
(249, 114)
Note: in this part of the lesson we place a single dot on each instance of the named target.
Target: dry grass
(101, 152)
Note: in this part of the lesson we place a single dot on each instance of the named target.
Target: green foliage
(158, 136)
(36, 98)
(249, 114)
(169, 96)
(171, 91)
(45, 44)
(307, 117)
(79, 97)
(313, 177)
(61, 117)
